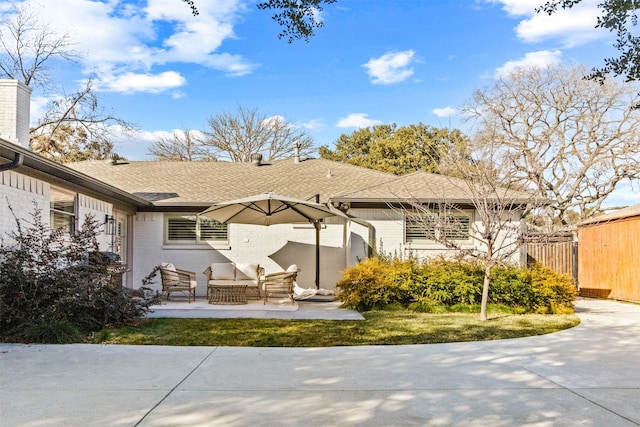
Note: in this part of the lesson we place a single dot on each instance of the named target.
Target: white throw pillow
(223, 271)
(246, 271)
(168, 266)
(292, 267)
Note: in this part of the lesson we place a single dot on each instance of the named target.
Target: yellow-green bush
(377, 283)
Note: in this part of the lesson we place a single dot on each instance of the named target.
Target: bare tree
(184, 145)
(568, 138)
(486, 224)
(28, 47)
(76, 128)
(236, 136)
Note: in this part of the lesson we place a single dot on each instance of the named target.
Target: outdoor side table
(228, 294)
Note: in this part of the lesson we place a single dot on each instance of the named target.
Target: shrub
(431, 286)
(444, 282)
(50, 292)
(375, 283)
(555, 293)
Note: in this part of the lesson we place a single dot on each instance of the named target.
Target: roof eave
(428, 200)
(40, 165)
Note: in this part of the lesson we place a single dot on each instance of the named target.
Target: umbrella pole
(317, 227)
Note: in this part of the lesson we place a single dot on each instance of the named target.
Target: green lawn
(379, 328)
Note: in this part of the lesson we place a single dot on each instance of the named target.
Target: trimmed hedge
(378, 283)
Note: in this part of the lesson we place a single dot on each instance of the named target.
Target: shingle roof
(203, 183)
(174, 183)
(423, 187)
(31, 163)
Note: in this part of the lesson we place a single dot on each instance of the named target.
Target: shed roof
(628, 212)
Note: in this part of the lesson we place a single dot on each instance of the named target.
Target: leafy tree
(69, 144)
(192, 5)
(397, 150)
(571, 140)
(235, 136)
(621, 17)
(299, 18)
(185, 145)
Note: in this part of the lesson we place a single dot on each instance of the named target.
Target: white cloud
(542, 59)
(391, 67)
(357, 120)
(38, 106)
(119, 39)
(445, 112)
(518, 7)
(142, 82)
(313, 124)
(571, 27)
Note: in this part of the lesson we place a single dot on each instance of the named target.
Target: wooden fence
(559, 253)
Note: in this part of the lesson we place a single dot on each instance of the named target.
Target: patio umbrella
(270, 208)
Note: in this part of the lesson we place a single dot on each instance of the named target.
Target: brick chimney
(14, 112)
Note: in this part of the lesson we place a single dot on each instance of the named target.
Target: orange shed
(609, 255)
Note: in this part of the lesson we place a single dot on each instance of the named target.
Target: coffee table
(228, 294)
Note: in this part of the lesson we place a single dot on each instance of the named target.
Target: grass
(379, 328)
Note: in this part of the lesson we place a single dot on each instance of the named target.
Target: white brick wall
(14, 112)
(97, 209)
(389, 229)
(22, 193)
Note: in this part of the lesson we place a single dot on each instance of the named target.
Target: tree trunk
(485, 291)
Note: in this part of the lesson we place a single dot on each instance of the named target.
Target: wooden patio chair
(280, 283)
(177, 280)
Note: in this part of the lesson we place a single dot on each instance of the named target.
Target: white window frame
(197, 238)
(70, 217)
(413, 242)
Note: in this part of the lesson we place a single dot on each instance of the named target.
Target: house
(65, 196)
(609, 255)
(150, 208)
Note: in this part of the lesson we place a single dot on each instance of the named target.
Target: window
(429, 227)
(194, 229)
(62, 211)
(420, 228)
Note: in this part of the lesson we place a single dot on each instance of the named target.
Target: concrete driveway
(586, 376)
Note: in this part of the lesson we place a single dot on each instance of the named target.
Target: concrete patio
(255, 309)
(584, 376)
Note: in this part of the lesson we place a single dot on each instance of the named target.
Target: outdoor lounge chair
(280, 283)
(176, 280)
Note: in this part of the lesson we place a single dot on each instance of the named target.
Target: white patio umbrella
(271, 208)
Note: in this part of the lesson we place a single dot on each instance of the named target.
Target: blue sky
(376, 61)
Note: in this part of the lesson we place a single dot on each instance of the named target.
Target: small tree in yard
(495, 235)
(52, 290)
